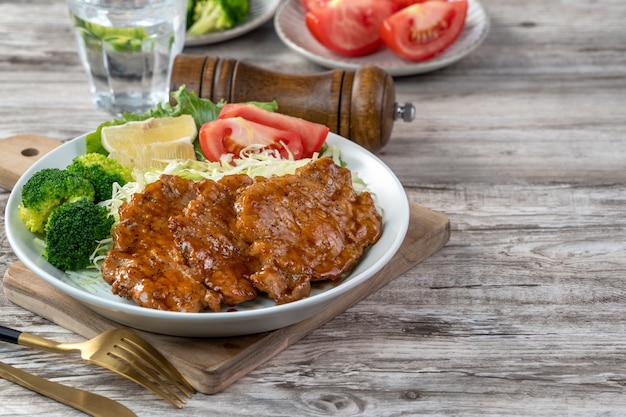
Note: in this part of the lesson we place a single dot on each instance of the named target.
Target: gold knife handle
(87, 402)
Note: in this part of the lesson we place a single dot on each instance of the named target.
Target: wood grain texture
(521, 145)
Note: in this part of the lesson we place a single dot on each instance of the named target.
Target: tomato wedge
(349, 27)
(230, 136)
(424, 30)
(401, 4)
(313, 135)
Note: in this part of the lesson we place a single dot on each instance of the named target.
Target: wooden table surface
(522, 145)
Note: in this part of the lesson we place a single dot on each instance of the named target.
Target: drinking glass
(127, 48)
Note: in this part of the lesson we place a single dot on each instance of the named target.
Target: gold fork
(122, 352)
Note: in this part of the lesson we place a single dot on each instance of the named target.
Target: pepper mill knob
(405, 112)
(359, 105)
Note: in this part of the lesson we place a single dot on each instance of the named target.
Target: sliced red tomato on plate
(401, 4)
(230, 136)
(313, 135)
(349, 27)
(309, 5)
(424, 30)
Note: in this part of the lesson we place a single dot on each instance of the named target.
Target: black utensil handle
(9, 335)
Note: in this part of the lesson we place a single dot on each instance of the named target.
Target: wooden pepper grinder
(359, 105)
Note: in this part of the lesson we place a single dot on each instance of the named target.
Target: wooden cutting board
(211, 364)
(19, 152)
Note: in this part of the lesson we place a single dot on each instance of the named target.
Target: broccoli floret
(46, 190)
(216, 15)
(73, 232)
(102, 172)
(239, 9)
(191, 5)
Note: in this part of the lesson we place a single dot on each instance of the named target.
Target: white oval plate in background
(291, 29)
(261, 11)
(256, 316)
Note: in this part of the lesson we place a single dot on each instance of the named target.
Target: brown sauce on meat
(305, 227)
(185, 246)
(146, 265)
(206, 234)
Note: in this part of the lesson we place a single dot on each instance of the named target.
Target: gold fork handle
(34, 341)
(92, 404)
(26, 339)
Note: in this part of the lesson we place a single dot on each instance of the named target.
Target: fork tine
(160, 383)
(136, 371)
(148, 366)
(127, 370)
(158, 362)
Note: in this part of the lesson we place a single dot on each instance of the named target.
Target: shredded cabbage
(252, 162)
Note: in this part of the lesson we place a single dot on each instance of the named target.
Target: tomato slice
(230, 136)
(349, 27)
(424, 30)
(401, 4)
(313, 135)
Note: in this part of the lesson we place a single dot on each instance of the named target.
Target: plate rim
(115, 310)
(238, 30)
(411, 68)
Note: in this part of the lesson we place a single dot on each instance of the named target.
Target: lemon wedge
(151, 143)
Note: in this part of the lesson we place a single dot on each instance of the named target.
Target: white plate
(260, 315)
(291, 29)
(261, 11)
